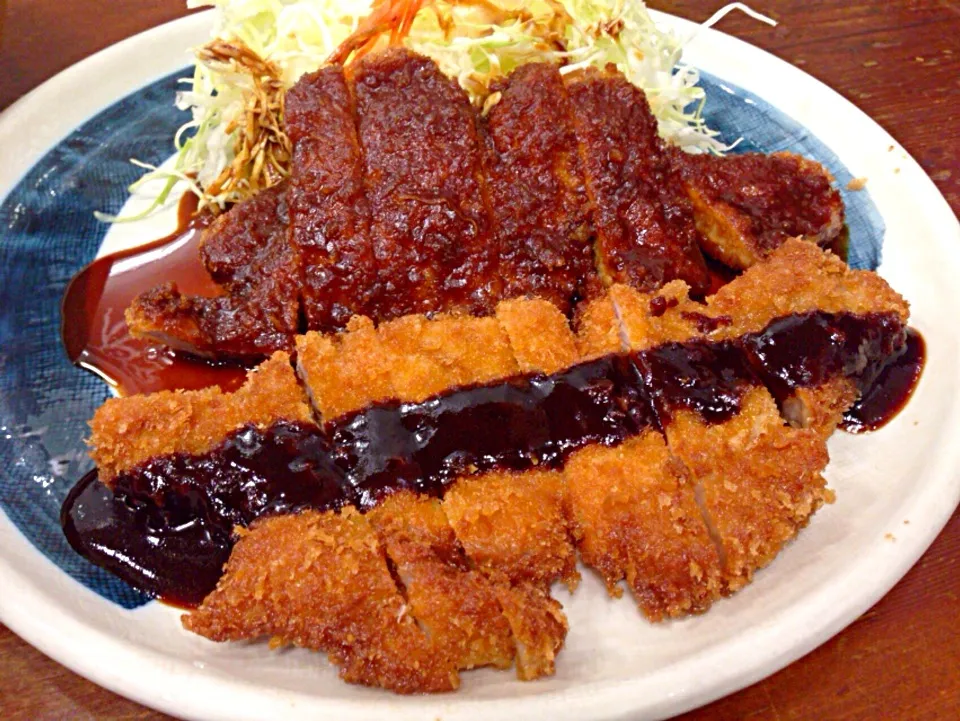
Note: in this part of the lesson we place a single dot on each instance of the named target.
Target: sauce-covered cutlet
(541, 213)
(424, 185)
(644, 223)
(129, 431)
(321, 581)
(329, 215)
(246, 251)
(746, 205)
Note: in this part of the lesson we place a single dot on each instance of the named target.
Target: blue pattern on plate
(48, 233)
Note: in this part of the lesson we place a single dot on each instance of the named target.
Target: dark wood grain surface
(899, 62)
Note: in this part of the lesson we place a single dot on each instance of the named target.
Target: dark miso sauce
(95, 333)
(891, 390)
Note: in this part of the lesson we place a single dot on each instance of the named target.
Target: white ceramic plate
(896, 488)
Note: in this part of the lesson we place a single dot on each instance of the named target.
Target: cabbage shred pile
(234, 145)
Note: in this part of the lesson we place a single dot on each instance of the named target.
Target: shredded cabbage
(228, 155)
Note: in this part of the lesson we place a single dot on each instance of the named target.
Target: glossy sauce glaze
(888, 394)
(95, 333)
(178, 511)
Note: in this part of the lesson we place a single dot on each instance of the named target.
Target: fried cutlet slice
(247, 252)
(321, 581)
(644, 222)
(538, 625)
(128, 431)
(329, 215)
(455, 605)
(541, 213)
(539, 335)
(598, 328)
(747, 205)
(635, 518)
(760, 479)
(514, 526)
(423, 180)
(798, 277)
(428, 356)
(344, 372)
(757, 479)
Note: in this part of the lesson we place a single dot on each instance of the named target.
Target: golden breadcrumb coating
(427, 356)
(635, 518)
(514, 525)
(131, 430)
(344, 372)
(539, 335)
(598, 328)
(799, 277)
(539, 628)
(320, 580)
(664, 316)
(759, 479)
(456, 606)
(820, 408)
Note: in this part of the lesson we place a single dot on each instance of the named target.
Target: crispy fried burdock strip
(128, 431)
(320, 580)
(329, 215)
(635, 518)
(747, 205)
(455, 605)
(346, 371)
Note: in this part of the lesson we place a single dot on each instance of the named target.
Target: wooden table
(900, 62)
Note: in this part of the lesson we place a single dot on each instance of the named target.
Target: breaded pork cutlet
(426, 356)
(540, 209)
(410, 359)
(344, 372)
(758, 480)
(247, 252)
(329, 215)
(644, 223)
(129, 431)
(747, 205)
(455, 605)
(635, 519)
(800, 278)
(423, 181)
(539, 335)
(321, 581)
